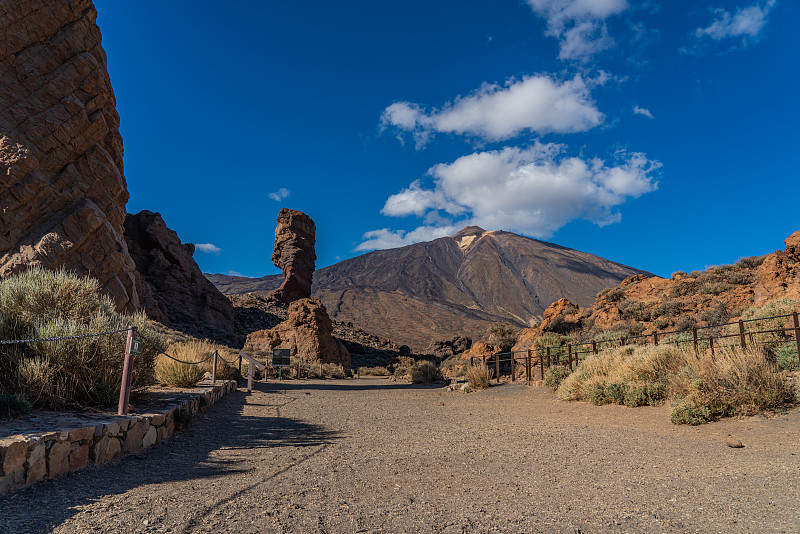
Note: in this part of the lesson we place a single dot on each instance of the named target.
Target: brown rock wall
(63, 194)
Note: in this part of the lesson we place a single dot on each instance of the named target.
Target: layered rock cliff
(63, 193)
(294, 254)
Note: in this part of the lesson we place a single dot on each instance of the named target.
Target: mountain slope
(455, 285)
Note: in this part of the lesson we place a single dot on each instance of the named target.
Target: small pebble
(733, 443)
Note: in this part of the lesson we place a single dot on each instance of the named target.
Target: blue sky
(662, 135)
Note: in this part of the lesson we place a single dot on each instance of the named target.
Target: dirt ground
(368, 455)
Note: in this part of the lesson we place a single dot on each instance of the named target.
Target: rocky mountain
(455, 285)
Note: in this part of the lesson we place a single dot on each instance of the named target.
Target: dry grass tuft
(172, 373)
(425, 372)
(478, 376)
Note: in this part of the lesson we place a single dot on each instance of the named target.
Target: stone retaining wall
(27, 458)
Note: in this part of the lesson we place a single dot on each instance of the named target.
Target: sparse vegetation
(374, 371)
(634, 310)
(503, 336)
(46, 304)
(733, 381)
(750, 262)
(14, 406)
(554, 375)
(557, 344)
(615, 295)
(425, 372)
(178, 374)
(478, 376)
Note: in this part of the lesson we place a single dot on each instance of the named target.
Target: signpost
(281, 358)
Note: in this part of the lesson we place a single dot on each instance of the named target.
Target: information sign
(281, 357)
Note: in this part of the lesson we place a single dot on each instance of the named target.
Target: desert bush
(607, 339)
(715, 288)
(45, 304)
(716, 313)
(373, 371)
(684, 322)
(554, 375)
(14, 405)
(738, 278)
(750, 262)
(626, 329)
(677, 275)
(603, 292)
(425, 372)
(786, 356)
(634, 310)
(695, 274)
(684, 287)
(662, 323)
(668, 308)
(174, 373)
(478, 376)
(731, 382)
(615, 295)
(183, 419)
(557, 344)
(760, 321)
(503, 336)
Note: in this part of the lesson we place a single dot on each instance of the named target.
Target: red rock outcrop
(174, 290)
(294, 254)
(308, 332)
(63, 194)
(779, 275)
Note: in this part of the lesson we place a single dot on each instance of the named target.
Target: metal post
(694, 336)
(127, 371)
(541, 363)
(240, 365)
(741, 334)
(497, 366)
(528, 365)
(711, 344)
(655, 338)
(622, 341)
(513, 367)
(796, 333)
(214, 368)
(250, 372)
(594, 346)
(548, 356)
(569, 356)
(471, 361)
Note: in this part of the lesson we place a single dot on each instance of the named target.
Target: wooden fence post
(548, 356)
(569, 356)
(528, 365)
(594, 346)
(497, 366)
(214, 368)
(796, 333)
(622, 341)
(127, 371)
(741, 334)
(513, 367)
(541, 363)
(471, 361)
(655, 338)
(694, 337)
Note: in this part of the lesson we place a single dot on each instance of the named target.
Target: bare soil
(369, 455)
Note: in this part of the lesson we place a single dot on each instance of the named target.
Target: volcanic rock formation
(308, 332)
(294, 254)
(173, 289)
(63, 194)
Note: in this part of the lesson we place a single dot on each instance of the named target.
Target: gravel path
(369, 455)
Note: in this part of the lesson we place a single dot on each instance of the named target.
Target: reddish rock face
(63, 194)
(307, 332)
(173, 289)
(294, 254)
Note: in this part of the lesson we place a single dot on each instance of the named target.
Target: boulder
(779, 274)
(173, 289)
(63, 192)
(294, 254)
(307, 332)
(450, 347)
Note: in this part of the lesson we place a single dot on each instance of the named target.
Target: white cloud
(579, 24)
(533, 191)
(643, 111)
(745, 22)
(536, 103)
(207, 248)
(280, 194)
(386, 238)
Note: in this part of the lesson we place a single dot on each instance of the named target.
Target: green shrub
(757, 315)
(715, 288)
(478, 376)
(14, 405)
(786, 356)
(751, 262)
(425, 372)
(738, 278)
(690, 412)
(716, 313)
(596, 394)
(503, 336)
(554, 375)
(615, 295)
(373, 371)
(634, 310)
(668, 308)
(603, 292)
(557, 344)
(45, 304)
(616, 393)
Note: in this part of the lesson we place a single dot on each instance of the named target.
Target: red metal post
(127, 371)
(214, 368)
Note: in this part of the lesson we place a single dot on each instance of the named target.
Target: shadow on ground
(222, 426)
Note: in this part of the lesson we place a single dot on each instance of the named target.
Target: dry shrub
(178, 374)
(373, 371)
(425, 372)
(46, 304)
(731, 382)
(478, 376)
(325, 370)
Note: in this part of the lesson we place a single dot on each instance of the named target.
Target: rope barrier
(188, 363)
(62, 338)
